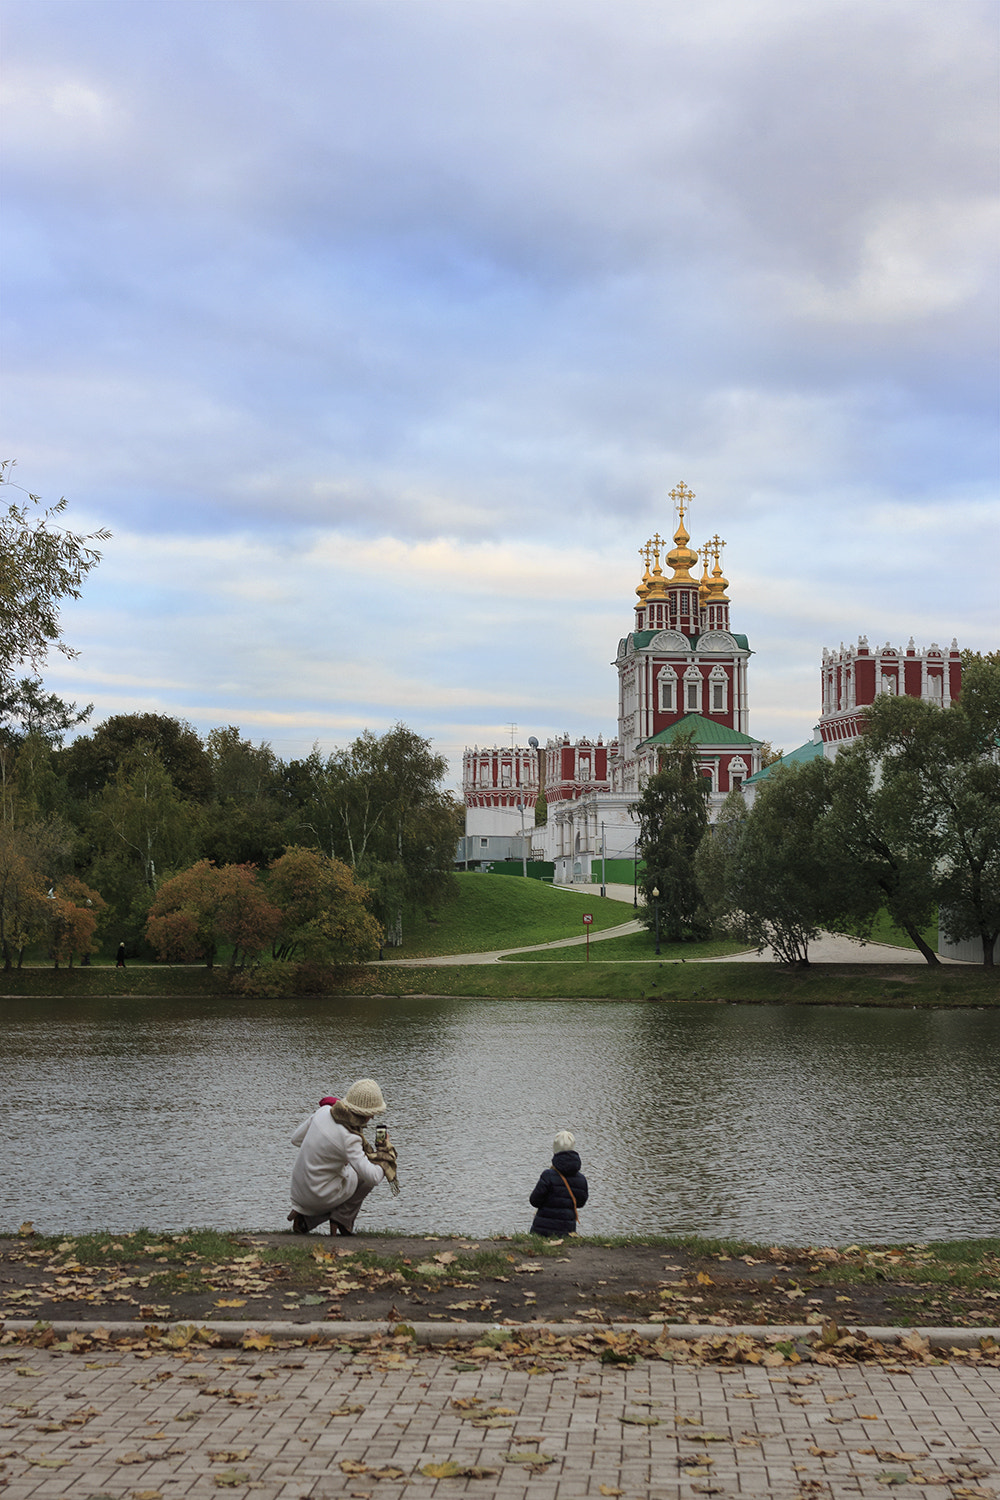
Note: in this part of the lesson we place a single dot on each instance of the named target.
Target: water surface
(773, 1123)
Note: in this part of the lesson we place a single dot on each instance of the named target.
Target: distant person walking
(120, 961)
(561, 1191)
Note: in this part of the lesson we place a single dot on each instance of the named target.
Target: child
(560, 1191)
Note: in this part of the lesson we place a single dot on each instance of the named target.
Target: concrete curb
(442, 1333)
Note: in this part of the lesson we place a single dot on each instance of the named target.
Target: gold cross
(717, 545)
(647, 552)
(682, 497)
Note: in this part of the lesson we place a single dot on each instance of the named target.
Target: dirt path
(284, 1277)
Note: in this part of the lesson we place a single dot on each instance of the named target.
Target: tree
(941, 770)
(673, 817)
(92, 760)
(32, 859)
(872, 828)
(197, 911)
(378, 806)
(246, 820)
(41, 563)
(767, 875)
(324, 911)
(74, 911)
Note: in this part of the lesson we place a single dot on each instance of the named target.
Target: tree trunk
(918, 942)
(989, 943)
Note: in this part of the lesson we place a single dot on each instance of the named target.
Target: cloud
(379, 333)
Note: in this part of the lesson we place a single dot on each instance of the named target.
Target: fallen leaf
(230, 1478)
(254, 1340)
(346, 1411)
(352, 1466)
(389, 1473)
(147, 1495)
(228, 1455)
(892, 1478)
(637, 1421)
(448, 1469)
(528, 1457)
(823, 1452)
(27, 1229)
(231, 1302)
(49, 1463)
(608, 1489)
(446, 1258)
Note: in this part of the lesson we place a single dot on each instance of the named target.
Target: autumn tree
(196, 912)
(673, 816)
(324, 910)
(73, 913)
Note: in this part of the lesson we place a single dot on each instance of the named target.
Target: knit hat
(365, 1098)
(564, 1141)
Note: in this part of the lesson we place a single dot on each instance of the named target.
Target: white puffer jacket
(330, 1164)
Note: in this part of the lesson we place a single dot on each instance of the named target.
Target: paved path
(282, 1424)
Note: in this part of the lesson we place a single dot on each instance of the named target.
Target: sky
(378, 332)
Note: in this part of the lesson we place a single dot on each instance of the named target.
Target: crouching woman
(336, 1168)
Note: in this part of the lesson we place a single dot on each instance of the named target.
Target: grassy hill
(500, 911)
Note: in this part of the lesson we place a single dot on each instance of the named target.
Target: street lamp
(656, 914)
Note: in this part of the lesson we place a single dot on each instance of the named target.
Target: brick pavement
(263, 1424)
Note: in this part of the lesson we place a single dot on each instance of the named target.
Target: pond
(776, 1124)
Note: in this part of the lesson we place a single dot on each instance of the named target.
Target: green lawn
(499, 911)
(635, 947)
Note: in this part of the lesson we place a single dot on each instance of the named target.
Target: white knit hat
(365, 1098)
(564, 1141)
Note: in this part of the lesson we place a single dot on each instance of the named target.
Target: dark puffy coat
(555, 1206)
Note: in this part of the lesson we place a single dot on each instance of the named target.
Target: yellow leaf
(608, 1489)
(231, 1302)
(704, 1279)
(26, 1229)
(147, 1495)
(228, 1455)
(230, 1478)
(345, 1411)
(528, 1457)
(253, 1340)
(446, 1258)
(352, 1466)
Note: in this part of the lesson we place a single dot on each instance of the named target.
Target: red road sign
(588, 918)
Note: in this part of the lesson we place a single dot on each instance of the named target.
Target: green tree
(32, 859)
(246, 820)
(871, 828)
(379, 806)
(92, 760)
(768, 877)
(941, 770)
(673, 816)
(41, 563)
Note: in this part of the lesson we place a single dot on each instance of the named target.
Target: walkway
(324, 1422)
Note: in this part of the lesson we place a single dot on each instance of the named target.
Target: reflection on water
(766, 1122)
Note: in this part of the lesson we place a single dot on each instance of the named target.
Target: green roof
(811, 750)
(642, 638)
(701, 731)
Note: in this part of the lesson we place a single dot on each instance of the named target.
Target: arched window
(692, 691)
(668, 690)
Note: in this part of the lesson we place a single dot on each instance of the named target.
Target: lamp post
(656, 914)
